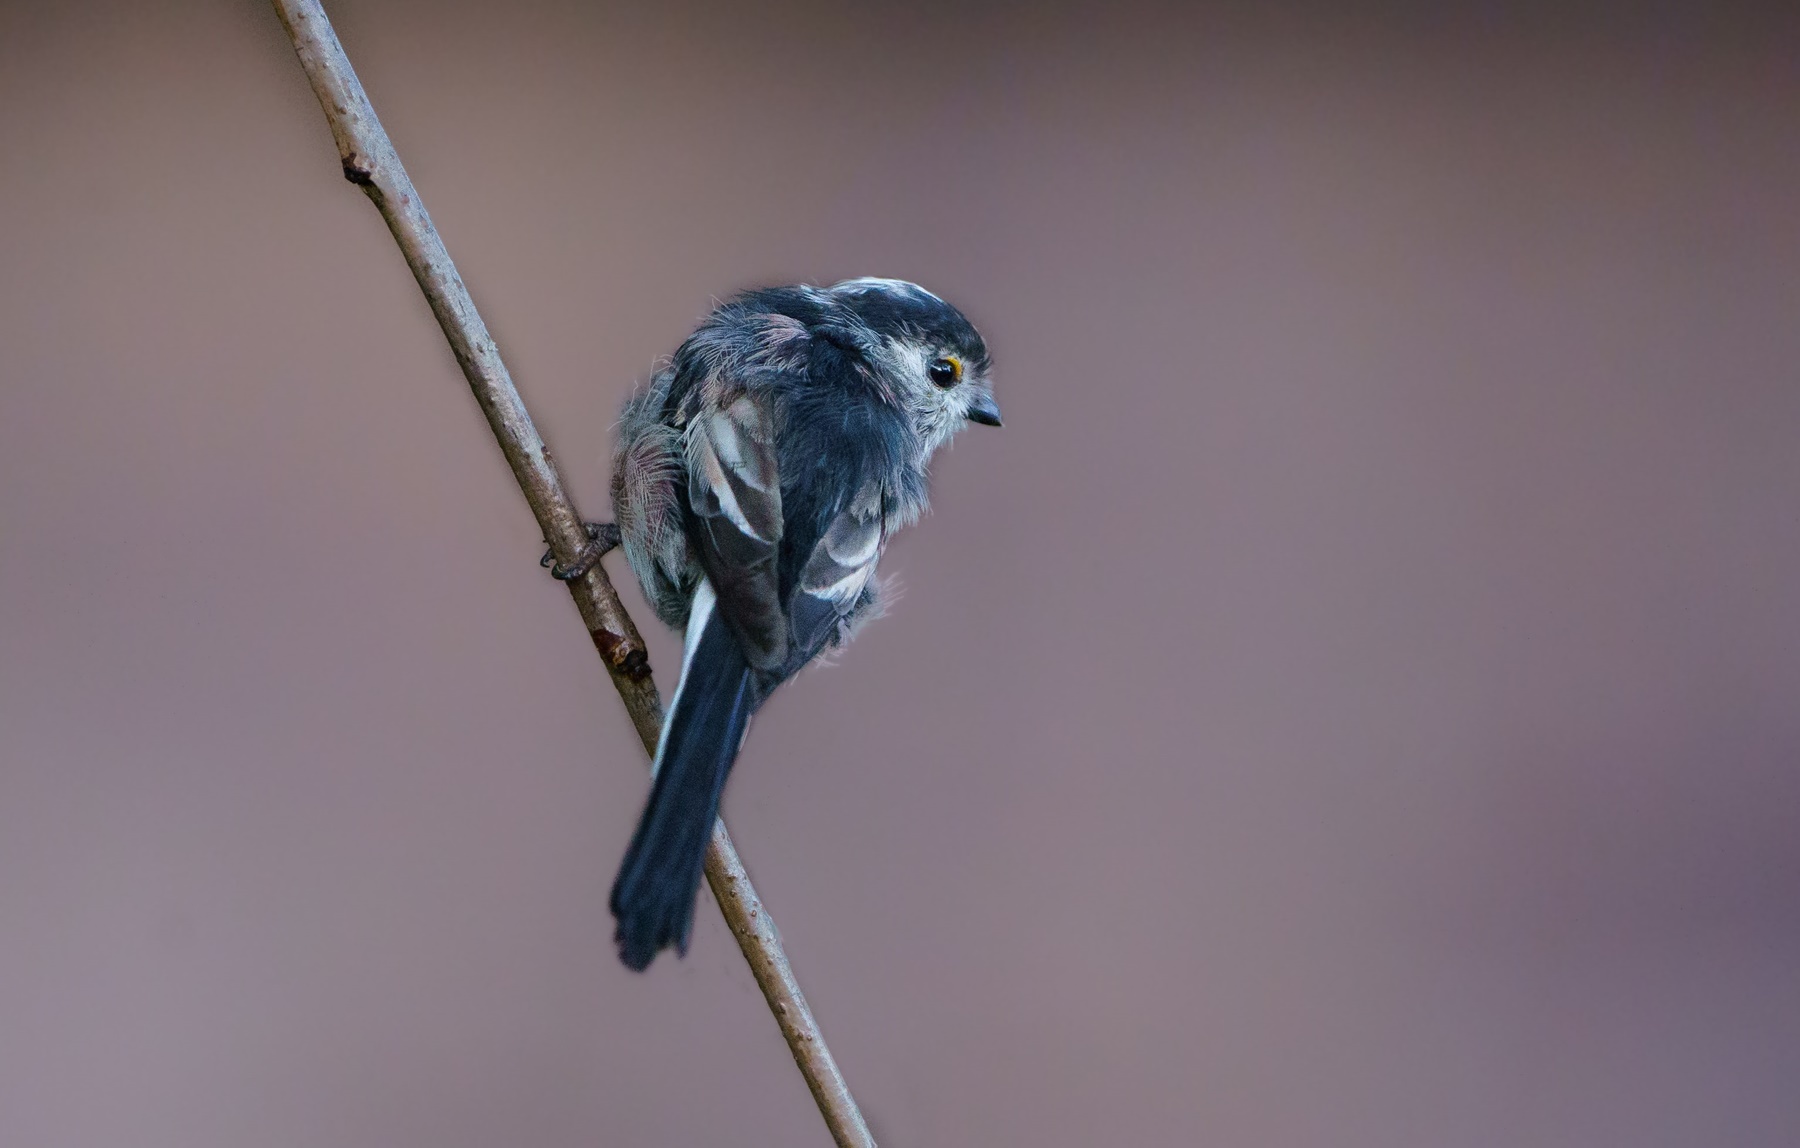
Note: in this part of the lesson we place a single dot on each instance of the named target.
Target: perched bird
(756, 483)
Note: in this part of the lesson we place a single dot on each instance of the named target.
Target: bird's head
(932, 356)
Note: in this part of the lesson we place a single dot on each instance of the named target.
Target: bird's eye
(944, 372)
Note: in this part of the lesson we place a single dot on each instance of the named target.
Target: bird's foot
(604, 536)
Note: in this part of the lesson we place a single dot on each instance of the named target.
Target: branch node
(358, 170)
(622, 654)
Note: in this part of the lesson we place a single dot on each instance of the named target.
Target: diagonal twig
(371, 163)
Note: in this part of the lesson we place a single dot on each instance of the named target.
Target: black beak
(984, 410)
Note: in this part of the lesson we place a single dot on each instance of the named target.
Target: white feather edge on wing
(844, 559)
(699, 613)
(735, 440)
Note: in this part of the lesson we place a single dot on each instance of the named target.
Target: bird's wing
(837, 571)
(735, 492)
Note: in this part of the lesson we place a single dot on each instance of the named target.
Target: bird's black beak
(985, 410)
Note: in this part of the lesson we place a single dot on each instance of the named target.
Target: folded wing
(837, 572)
(734, 489)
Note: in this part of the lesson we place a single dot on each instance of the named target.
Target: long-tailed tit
(756, 483)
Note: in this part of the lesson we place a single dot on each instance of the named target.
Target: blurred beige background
(1353, 702)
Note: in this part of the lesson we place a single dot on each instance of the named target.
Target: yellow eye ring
(945, 372)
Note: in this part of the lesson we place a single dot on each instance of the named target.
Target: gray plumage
(756, 483)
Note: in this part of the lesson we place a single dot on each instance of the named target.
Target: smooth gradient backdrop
(1355, 700)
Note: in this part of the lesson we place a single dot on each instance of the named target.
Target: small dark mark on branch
(358, 170)
(628, 659)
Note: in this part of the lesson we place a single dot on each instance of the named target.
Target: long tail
(653, 896)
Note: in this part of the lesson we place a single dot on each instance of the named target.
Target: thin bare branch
(371, 163)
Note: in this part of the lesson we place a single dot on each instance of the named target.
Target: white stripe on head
(875, 283)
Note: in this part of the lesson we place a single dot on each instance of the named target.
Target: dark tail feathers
(653, 896)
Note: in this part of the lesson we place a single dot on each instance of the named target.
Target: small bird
(756, 483)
